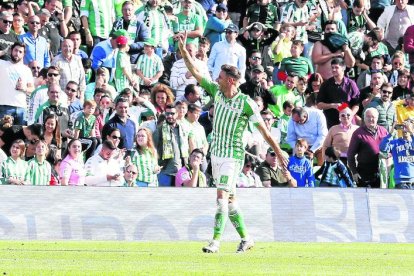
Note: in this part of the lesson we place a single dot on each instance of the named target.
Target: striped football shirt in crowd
(146, 164)
(293, 13)
(100, 14)
(12, 168)
(38, 173)
(231, 117)
(156, 21)
(149, 65)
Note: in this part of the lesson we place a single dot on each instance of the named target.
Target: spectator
(373, 47)
(13, 169)
(101, 82)
(85, 125)
(402, 150)
(227, 52)
(130, 175)
(363, 150)
(300, 91)
(370, 92)
(216, 24)
(18, 23)
(7, 37)
(181, 77)
(37, 47)
(334, 173)
(38, 170)
(52, 134)
(282, 124)
(121, 121)
(144, 156)
(203, 49)
(395, 20)
(138, 31)
(248, 178)
(16, 81)
(192, 95)
(281, 47)
(377, 65)
(314, 83)
(283, 92)
(123, 71)
(72, 92)
(75, 36)
(264, 12)
(102, 169)
(161, 96)
(386, 109)
(115, 137)
(257, 86)
(96, 18)
(309, 124)
(198, 139)
(402, 89)
(300, 168)
(70, 67)
(336, 91)
(149, 65)
(191, 174)
(272, 174)
(72, 170)
(357, 18)
(322, 55)
(398, 64)
(297, 64)
(339, 136)
(254, 60)
(206, 120)
(171, 141)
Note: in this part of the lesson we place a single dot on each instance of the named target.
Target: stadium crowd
(96, 93)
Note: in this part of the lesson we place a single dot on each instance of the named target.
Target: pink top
(73, 170)
(181, 176)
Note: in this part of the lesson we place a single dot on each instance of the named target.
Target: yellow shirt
(285, 50)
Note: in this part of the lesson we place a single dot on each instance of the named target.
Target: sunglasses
(169, 113)
(7, 21)
(386, 92)
(345, 115)
(70, 89)
(273, 154)
(134, 173)
(256, 58)
(35, 23)
(230, 32)
(115, 137)
(52, 74)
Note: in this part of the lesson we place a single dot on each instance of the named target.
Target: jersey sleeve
(209, 86)
(252, 111)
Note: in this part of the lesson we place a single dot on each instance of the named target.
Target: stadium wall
(300, 215)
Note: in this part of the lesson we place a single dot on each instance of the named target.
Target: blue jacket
(301, 170)
(214, 29)
(403, 156)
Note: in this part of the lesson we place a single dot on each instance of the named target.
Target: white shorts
(226, 172)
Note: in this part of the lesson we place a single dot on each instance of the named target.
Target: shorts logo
(224, 179)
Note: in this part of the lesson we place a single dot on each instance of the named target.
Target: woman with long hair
(51, 131)
(115, 137)
(145, 158)
(315, 81)
(39, 170)
(13, 169)
(72, 169)
(161, 96)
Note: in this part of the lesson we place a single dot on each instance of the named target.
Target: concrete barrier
(303, 215)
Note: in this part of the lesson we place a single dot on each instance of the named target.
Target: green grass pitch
(186, 258)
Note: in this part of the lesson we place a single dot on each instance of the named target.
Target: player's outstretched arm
(187, 59)
(269, 139)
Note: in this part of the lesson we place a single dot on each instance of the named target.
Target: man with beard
(16, 81)
(171, 141)
(282, 93)
(322, 56)
(371, 91)
(386, 109)
(7, 38)
(257, 86)
(336, 91)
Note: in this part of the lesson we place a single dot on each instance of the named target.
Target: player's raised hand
(182, 40)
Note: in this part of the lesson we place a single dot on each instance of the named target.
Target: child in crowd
(296, 64)
(281, 48)
(85, 126)
(149, 65)
(39, 170)
(300, 167)
(301, 87)
(123, 73)
(334, 172)
(282, 125)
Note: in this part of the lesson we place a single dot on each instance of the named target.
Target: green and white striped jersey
(231, 117)
(149, 66)
(15, 168)
(145, 163)
(100, 14)
(156, 21)
(38, 173)
(293, 13)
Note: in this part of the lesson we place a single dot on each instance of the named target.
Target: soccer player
(232, 113)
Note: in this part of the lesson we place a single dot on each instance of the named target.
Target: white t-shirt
(9, 75)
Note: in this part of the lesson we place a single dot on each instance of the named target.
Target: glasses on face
(267, 119)
(220, 11)
(229, 32)
(7, 21)
(169, 113)
(34, 141)
(345, 115)
(52, 75)
(397, 63)
(273, 154)
(34, 22)
(70, 89)
(386, 92)
(115, 137)
(248, 165)
(256, 58)
(134, 173)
